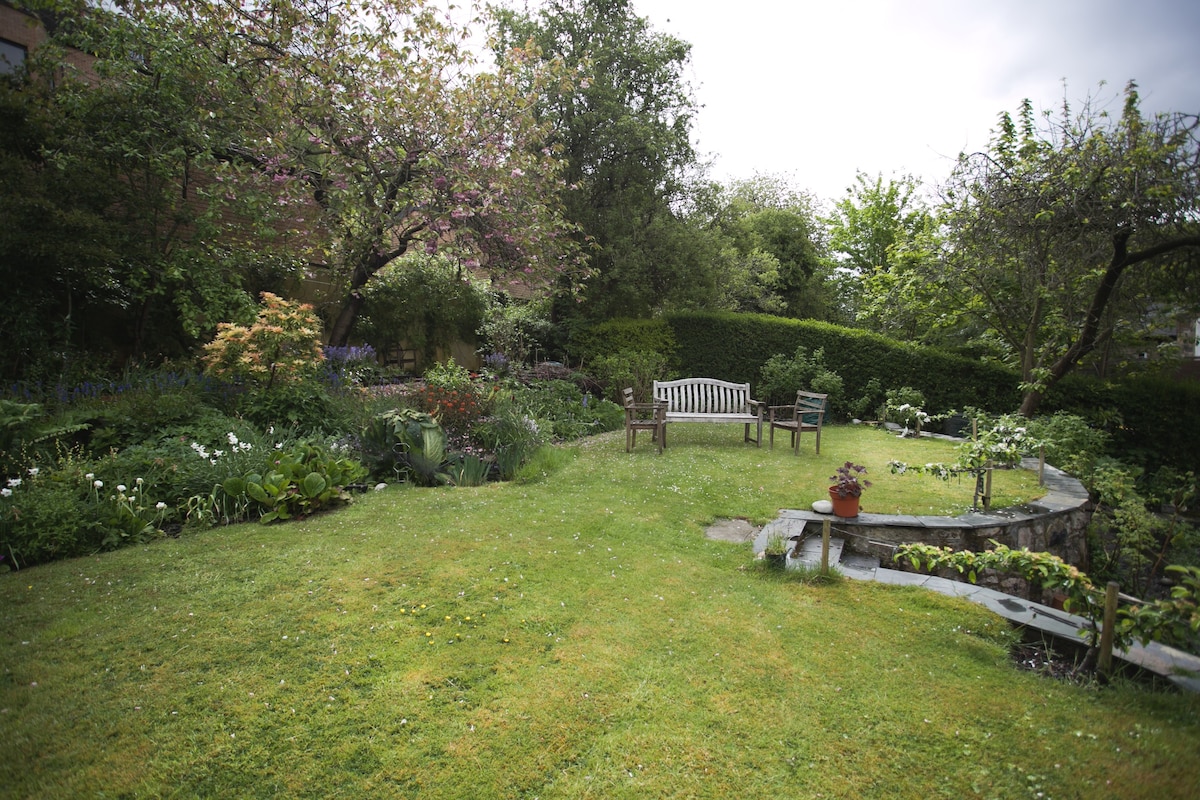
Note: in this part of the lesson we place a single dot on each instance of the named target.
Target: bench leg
(757, 441)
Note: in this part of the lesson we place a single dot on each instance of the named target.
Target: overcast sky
(818, 90)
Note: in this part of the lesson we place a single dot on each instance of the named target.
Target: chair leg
(818, 440)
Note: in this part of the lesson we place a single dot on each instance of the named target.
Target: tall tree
(124, 242)
(773, 255)
(624, 128)
(374, 117)
(877, 231)
(1054, 234)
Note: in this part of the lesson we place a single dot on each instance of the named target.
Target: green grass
(574, 635)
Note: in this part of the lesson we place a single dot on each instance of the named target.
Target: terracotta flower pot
(843, 506)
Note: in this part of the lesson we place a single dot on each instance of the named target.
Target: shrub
(281, 346)
(304, 408)
(73, 507)
(783, 376)
(871, 399)
(517, 329)
(905, 407)
(408, 445)
(566, 412)
(511, 434)
(299, 480)
(638, 369)
(424, 302)
(44, 518)
(351, 366)
(615, 336)
(1069, 442)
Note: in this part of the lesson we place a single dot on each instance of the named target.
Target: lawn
(571, 635)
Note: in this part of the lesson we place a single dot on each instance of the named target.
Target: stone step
(810, 553)
(788, 527)
(861, 563)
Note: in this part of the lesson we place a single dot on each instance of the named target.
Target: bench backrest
(704, 396)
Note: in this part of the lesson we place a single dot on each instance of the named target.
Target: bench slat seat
(710, 400)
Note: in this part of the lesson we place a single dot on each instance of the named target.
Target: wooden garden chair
(644, 417)
(806, 414)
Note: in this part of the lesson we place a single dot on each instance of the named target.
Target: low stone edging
(1055, 523)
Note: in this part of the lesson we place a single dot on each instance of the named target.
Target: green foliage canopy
(1056, 234)
(623, 127)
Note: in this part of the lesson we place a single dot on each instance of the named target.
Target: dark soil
(1045, 660)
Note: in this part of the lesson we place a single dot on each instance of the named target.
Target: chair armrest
(782, 412)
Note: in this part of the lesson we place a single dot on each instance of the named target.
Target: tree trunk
(339, 334)
(343, 324)
(1089, 334)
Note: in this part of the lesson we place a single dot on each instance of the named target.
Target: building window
(12, 57)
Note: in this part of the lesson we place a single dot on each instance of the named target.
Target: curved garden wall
(1055, 523)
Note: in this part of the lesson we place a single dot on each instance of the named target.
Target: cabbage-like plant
(407, 444)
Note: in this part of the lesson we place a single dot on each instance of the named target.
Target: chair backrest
(627, 393)
(810, 407)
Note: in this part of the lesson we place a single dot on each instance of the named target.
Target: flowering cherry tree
(380, 129)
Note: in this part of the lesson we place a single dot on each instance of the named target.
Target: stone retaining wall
(1055, 523)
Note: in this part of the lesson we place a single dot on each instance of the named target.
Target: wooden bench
(710, 400)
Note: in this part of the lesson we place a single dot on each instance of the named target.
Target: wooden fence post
(824, 546)
(1106, 633)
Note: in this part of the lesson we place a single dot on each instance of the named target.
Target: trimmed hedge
(734, 347)
(1154, 421)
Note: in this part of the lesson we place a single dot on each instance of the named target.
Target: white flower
(140, 481)
(33, 471)
(98, 484)
(160, 505)
(233, 440)
(120, 487)
(14, 483)
(6, 492)
(218, 453)
(90, 475)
